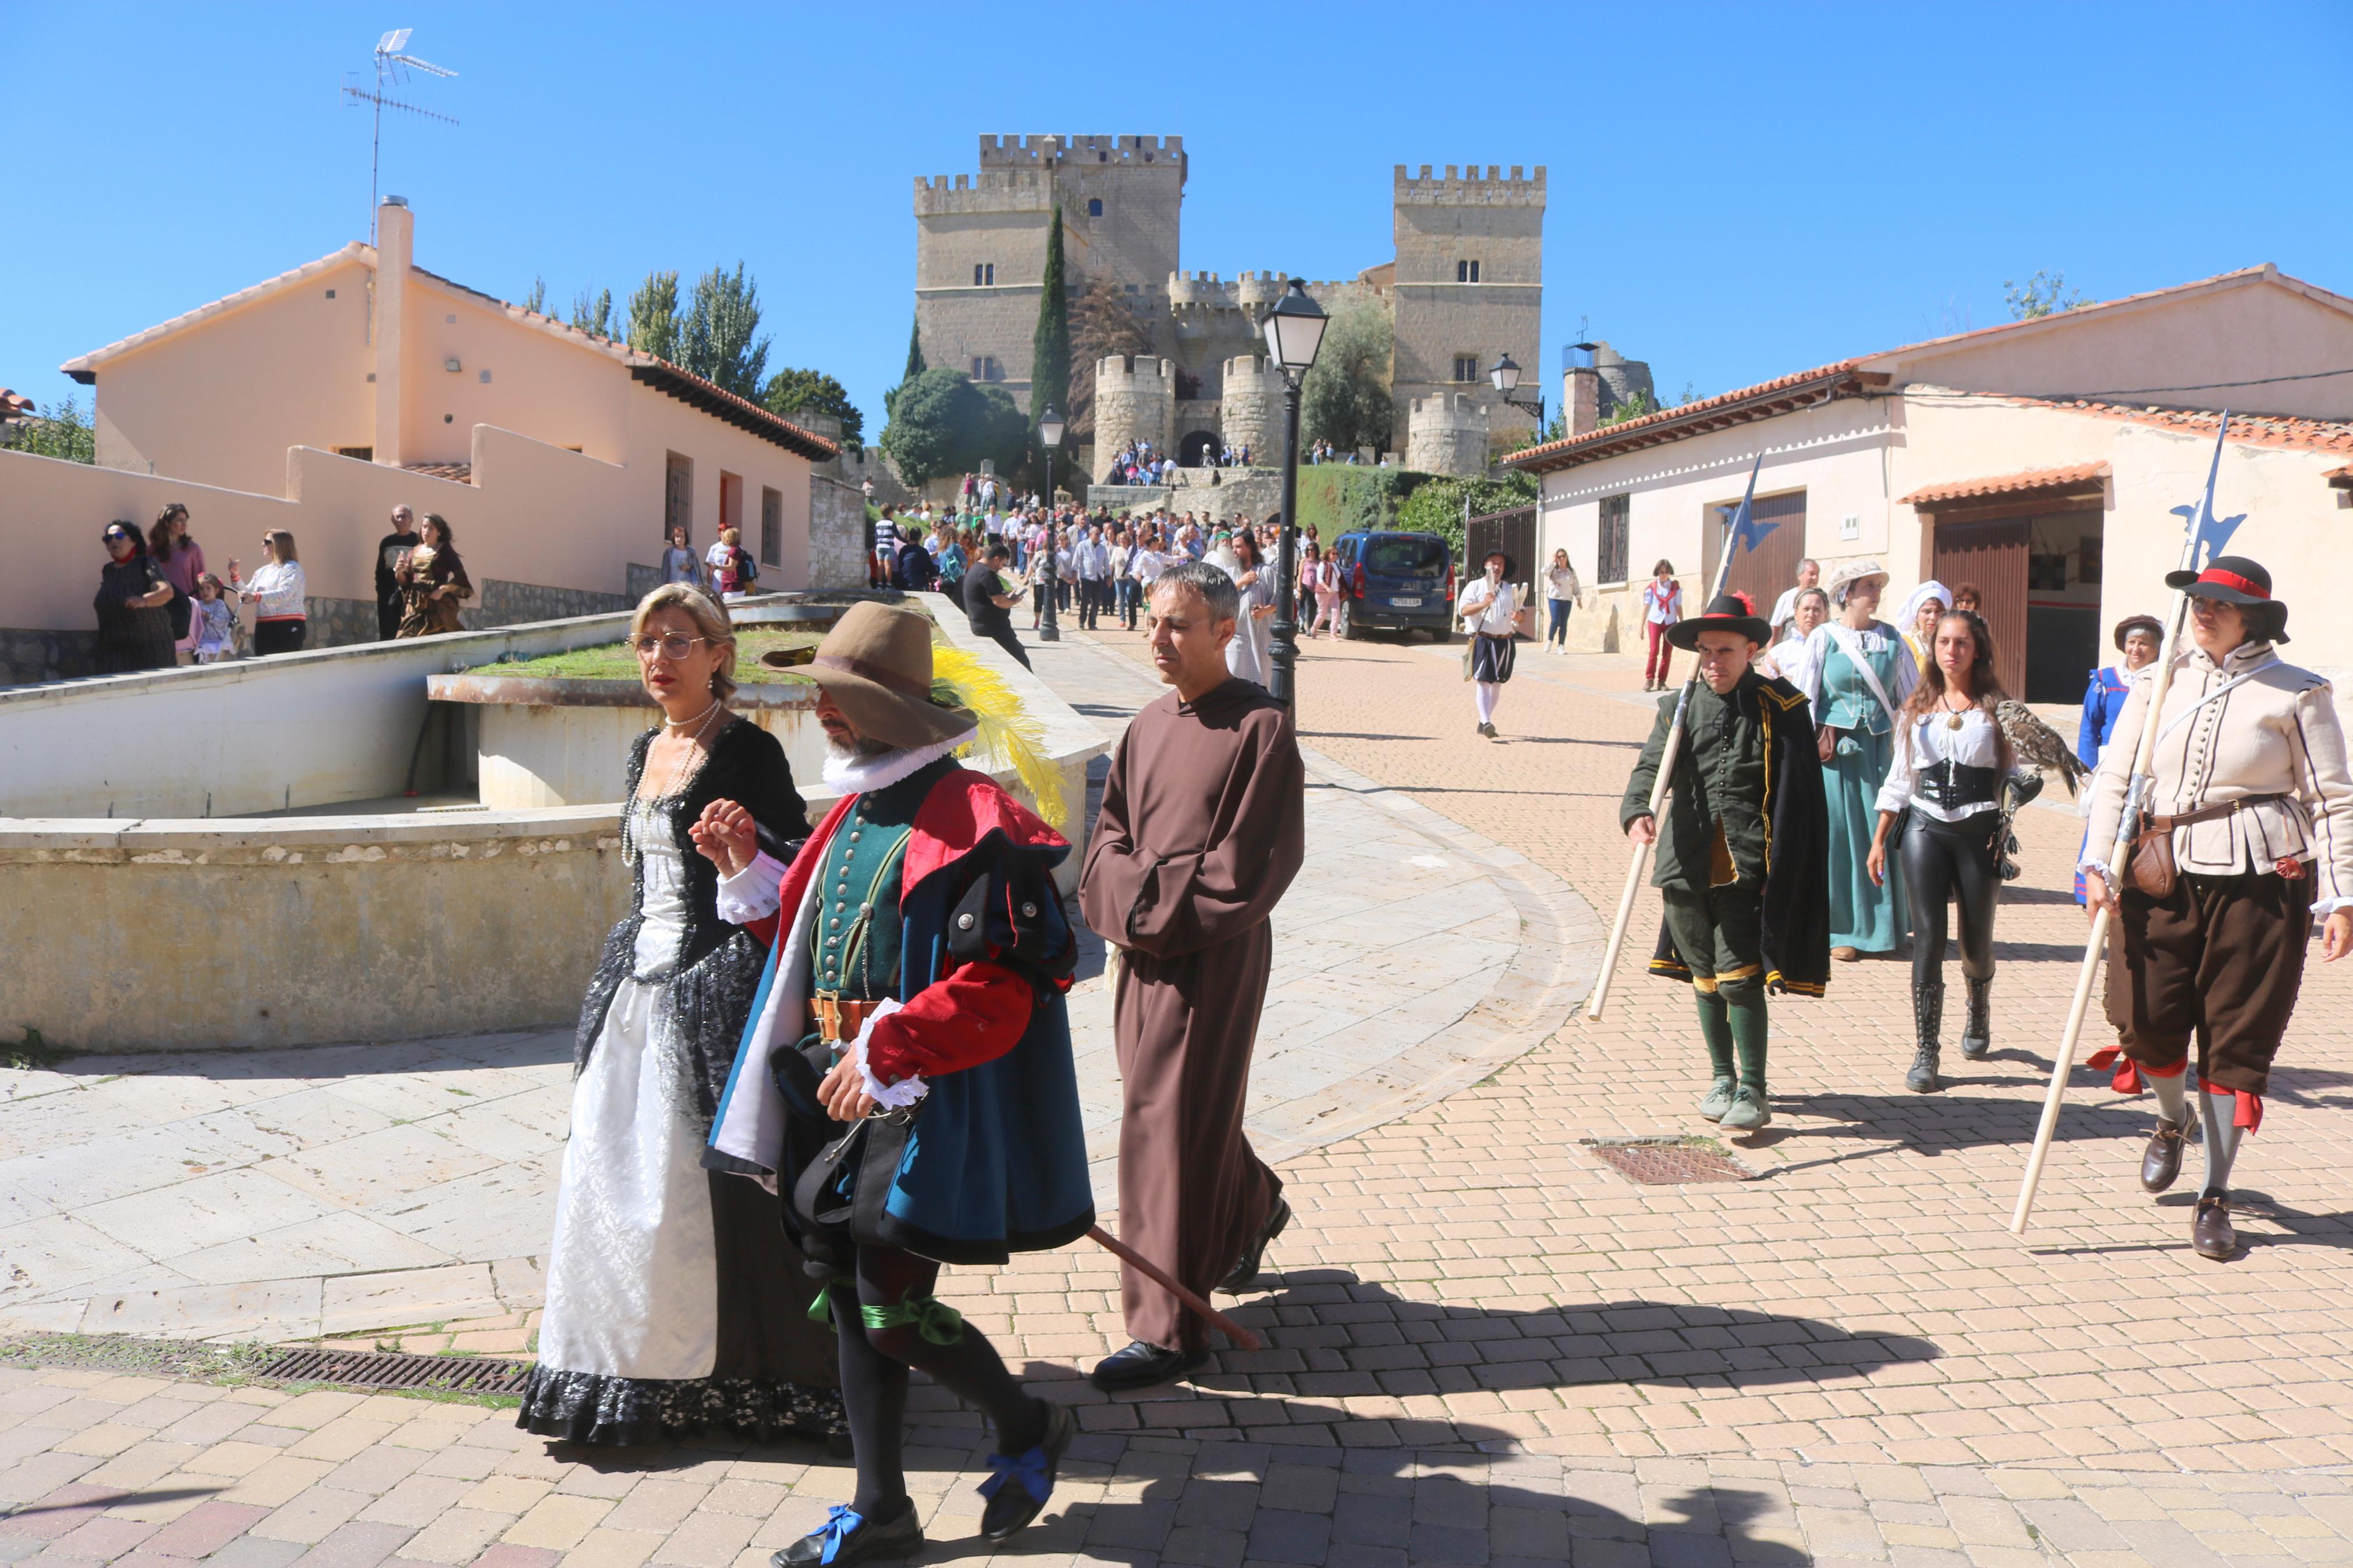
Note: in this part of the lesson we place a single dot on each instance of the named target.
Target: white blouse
(1931, 739)
(1496, 619)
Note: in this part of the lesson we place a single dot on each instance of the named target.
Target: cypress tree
(1050, 346)
(915, 365)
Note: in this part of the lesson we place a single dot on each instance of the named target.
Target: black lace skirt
(624, 1412)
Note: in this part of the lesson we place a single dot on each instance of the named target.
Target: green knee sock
(1715, 1028)
(1748, 1027)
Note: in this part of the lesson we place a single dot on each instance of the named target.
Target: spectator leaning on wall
(134, 628)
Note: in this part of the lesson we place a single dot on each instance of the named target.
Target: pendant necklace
(1954, 721)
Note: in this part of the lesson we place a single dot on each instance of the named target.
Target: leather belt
(839, 1018)
(2203, 813)
(1949, 783)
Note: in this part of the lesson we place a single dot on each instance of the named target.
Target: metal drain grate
(1661, 1163)
(372, 1369)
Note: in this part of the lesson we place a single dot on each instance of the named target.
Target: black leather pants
(1946, 860)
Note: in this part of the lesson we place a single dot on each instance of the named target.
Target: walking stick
(1243, 1339)
(2203, 527)
(1738, 529)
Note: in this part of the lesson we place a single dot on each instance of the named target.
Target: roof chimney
(396, 245)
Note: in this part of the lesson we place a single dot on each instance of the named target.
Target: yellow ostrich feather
(1009, 735)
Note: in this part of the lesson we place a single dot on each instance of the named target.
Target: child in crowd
(216, 630)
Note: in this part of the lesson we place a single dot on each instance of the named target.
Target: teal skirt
(1864, 915)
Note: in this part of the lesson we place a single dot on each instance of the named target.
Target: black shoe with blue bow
(1017, 1493)
(850, 1537)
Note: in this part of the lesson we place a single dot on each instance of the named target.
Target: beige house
(318, 400)
(2039, 460)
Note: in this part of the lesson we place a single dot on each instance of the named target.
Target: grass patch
(614, 661)
(32, 1052)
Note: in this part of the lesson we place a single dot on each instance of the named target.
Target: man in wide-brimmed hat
(906, 1075)
(2249, 835)
(1739, 859)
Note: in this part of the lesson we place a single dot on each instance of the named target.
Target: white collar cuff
(860, 776)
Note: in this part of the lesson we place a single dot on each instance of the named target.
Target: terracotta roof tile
(1577, 447)
(2073, 477)
(462, 473)
(14, 406)
(2255, 429)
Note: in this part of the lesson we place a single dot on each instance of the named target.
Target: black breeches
(874, 1363)
(1951, 860)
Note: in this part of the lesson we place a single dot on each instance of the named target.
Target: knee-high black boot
(1976, 1035)
(1928, 1016)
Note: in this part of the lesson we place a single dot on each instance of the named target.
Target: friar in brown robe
(1202, 830)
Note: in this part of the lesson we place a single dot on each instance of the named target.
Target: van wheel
(1349, 630)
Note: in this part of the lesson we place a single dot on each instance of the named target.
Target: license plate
(1401, 602)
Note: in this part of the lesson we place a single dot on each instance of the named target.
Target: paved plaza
(1485, 1346)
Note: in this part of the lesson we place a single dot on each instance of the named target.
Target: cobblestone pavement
(1485, 1346)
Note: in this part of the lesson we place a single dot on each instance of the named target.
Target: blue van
(1395, 581)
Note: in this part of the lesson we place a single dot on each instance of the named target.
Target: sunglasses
(671, 646)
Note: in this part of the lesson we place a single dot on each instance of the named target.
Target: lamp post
(1294, 330)
(1050, 437)
(1506, 378)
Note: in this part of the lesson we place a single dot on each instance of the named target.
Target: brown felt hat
(876, 665)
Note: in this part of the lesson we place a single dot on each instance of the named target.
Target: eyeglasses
(671, 646)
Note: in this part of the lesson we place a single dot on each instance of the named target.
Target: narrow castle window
(1094, 206)
(984, 273)
(1466, 272)
(1466, 367)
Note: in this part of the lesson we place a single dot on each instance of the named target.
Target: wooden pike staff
(2202, 529)
(1738, 529)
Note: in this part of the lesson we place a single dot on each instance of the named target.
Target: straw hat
(876, 665)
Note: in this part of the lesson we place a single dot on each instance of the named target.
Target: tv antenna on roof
(393, 65)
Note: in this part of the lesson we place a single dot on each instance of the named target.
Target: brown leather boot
(2161, 1162)
(2211, 1232)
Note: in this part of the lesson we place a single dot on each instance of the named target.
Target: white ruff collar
(860, 776)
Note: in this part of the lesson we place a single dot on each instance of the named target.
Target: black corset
(1952, 785)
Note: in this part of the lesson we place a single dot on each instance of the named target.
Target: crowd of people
(1844, 787)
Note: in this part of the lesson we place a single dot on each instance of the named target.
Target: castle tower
(1135, 399)
(1468, 286)
(1250, 414)
(980, 242)
(1449, 436)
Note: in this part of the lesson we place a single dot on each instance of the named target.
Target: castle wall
(1252, 408)
(1496, 220)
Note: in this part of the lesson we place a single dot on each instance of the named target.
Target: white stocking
(1487, 690)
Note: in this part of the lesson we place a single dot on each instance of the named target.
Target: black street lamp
(1050, 437)
(1506, 377)
(1294, 330)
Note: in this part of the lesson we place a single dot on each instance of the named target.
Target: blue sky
(1736, 190)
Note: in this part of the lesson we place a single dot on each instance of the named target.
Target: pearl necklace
(678, 776)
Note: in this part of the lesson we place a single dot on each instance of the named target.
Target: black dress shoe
(1247, 1270)
(1142, 1365)
(1017, 1493)
(854, 1539)
(2211, 1232)
(2161, 1162)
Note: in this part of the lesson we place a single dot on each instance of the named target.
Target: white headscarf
(1910, 612)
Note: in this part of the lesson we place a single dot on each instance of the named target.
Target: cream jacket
(2273, 734)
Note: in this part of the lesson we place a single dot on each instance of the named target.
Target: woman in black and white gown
(675, 1300)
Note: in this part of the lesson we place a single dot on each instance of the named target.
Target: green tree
(61, 430)
(940, 424)
(915, 366)
(720, 338)
(536, 300)
(1633, 408)
(653, 316)
(792, 392)
(2039, 295)
(1050, 344)
(1436, 507)
(593, 315)
(1346, 399)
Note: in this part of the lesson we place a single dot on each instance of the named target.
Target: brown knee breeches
(2219, 958)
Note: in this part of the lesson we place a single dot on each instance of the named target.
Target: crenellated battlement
(1041, 151)
(990, 191)
(1465, 186)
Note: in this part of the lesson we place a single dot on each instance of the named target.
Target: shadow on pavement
(321, 1063)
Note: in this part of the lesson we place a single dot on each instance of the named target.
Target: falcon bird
(2038, 743)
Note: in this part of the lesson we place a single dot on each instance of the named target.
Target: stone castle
(1466, 284)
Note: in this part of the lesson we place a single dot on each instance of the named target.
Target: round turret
(1447, 434)
(1250, 414)
(1135, 400)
